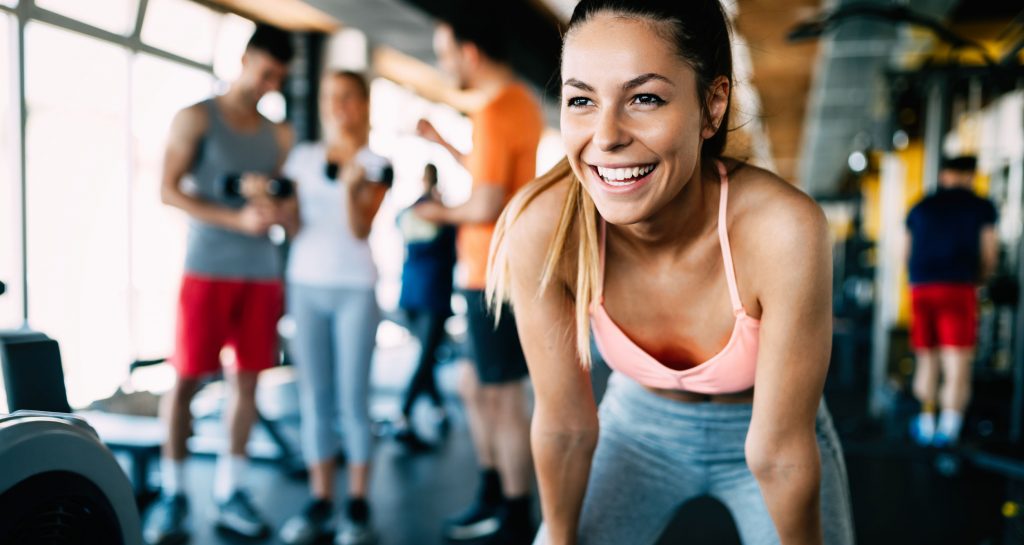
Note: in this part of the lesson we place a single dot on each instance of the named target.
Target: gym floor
(901, 494)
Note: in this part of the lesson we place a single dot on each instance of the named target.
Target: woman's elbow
(774, 458)
(579, 433)
(562, 441)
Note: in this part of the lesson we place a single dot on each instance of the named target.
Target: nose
(609, 134)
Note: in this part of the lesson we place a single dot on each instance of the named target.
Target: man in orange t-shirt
(506, 132)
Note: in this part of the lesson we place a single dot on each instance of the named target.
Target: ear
(470, 53)
(718, 102)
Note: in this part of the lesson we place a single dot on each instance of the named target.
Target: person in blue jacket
(425, 299)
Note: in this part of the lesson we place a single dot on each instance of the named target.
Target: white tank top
(325, 252)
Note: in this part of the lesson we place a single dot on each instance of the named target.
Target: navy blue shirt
(427, 272)
(945, 230)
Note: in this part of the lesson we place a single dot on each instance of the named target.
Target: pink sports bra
(729, 371)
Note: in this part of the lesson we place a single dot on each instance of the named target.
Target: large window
(103, 255)
(182, 27)
(77, 203)
(10, 180)
(159, 89)
(113, 15)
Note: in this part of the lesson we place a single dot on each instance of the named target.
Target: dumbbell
(277, 188)
(377, 170)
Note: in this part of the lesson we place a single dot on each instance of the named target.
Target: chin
(621, 213)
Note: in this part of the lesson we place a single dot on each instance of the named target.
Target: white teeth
(611, 175)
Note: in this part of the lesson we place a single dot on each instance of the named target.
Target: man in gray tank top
(231, 294)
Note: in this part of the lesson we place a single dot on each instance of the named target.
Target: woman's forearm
(361, 209)
(790, 481)
(562, 457)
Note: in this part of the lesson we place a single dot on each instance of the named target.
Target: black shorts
(496, 351)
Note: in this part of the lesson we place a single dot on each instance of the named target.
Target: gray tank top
(214, 251)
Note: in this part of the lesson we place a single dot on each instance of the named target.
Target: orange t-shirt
(506, 133)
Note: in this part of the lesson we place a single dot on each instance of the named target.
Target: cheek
(574, 138)
(575, 130)
(674, 134)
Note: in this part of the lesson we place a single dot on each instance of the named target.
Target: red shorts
(216, 313)
(943, 315)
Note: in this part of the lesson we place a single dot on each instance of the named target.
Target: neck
(238, 101)
(345, 144)
(683, 220)
(491, 78)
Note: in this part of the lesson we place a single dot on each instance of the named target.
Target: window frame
(27, 11)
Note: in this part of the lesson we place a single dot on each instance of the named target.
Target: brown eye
(648, 99)
(578, 102)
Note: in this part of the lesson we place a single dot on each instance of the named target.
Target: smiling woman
(638, 236)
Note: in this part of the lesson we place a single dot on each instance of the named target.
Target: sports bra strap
(723, 237)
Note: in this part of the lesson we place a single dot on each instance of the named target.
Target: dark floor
(411, 496)
(901, 494)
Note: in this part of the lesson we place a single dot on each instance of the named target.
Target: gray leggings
(654, 454)
(335, 333)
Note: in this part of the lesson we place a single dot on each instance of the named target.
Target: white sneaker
(355, 533)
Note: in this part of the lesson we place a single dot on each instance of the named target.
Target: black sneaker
(512, 532)
(478, 521)
(315, 521)
(412, 441)
(237, 515)
(165, 524)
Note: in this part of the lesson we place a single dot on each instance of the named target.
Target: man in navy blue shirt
(953, 247)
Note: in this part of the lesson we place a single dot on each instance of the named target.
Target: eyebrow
(573, 82)
(631, 84)
(642, 79)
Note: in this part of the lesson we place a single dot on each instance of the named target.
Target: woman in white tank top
(330, 293)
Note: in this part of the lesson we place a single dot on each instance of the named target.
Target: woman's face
(631, 120)
(343, 107)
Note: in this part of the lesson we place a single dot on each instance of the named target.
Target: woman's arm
(289, 216)
(794, 283)
(364, 199)
(564, 429)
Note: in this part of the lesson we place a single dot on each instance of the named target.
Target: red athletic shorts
(943, 315)
(218, 313)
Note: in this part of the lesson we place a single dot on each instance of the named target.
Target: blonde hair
(578, 214)
(700, 35)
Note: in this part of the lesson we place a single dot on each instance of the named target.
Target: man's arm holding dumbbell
(187, 131)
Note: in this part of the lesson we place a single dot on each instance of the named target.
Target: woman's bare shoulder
(771, 217)
(535, 216)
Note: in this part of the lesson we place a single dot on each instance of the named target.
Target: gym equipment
(60, 485)
(378, 170)
(277, 188)
(282, 452)
(34, 381)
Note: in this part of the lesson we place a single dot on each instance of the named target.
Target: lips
(623, 178)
